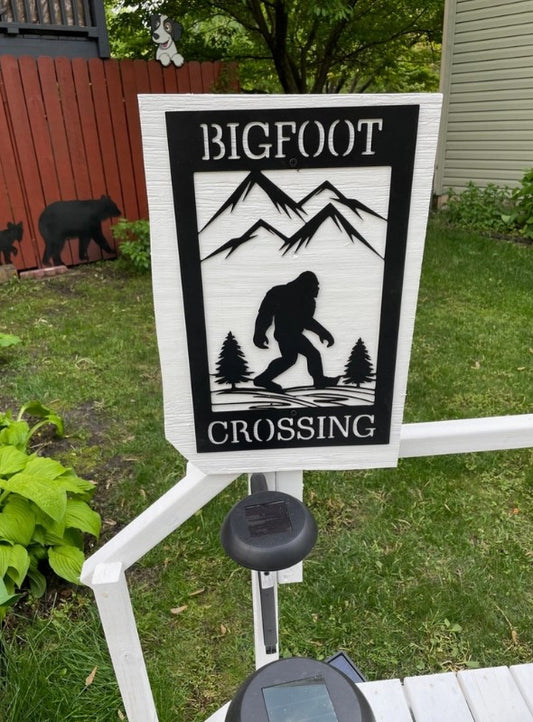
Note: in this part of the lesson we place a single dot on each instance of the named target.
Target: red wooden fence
(69, 129)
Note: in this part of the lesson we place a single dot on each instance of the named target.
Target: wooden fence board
(75, 136)
(44, 153)
(108, 148)
(208, 77)
(129, 88)
(121, 139)
(105, 131)
(13, 208)
(76, 142)
(155, 74)
(56, 125)
(195, 77)
(141, 76)
(42, 144)
(73, 132)
(5, 207)
(170, 80)
(182, 76)
(25, 153)
(88, 128)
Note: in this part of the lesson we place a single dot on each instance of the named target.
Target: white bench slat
(523, 676)
(437, 698)
(493, 695)
(387, 700)
(219, 715)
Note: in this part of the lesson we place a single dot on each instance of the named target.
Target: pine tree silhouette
(359, 369)
(231, 365)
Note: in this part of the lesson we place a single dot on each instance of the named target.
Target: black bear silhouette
(8, 236)
(75, 219)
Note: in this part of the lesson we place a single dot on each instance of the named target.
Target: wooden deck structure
(71, 28)
(495, 694)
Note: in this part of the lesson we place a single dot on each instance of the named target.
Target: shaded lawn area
(418, 569)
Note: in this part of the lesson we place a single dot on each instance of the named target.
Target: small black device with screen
(300, 690)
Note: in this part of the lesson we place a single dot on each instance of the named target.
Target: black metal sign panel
(292, 227)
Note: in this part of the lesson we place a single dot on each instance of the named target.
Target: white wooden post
(112, 597)
(104, 573)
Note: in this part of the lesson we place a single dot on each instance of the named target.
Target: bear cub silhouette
(8, 236)
(75, 219)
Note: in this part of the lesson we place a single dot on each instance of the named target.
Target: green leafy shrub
(44, 510)
(520, 216)
(481, 209)
(134, 243)
(8, 339)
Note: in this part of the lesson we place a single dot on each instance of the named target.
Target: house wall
(487, 81)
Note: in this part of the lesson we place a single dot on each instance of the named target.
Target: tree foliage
(359, 368)
(231, 366)
(297, 46)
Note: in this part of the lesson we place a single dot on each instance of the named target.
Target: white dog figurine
(165, 32)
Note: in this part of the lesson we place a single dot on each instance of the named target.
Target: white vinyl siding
(487, 81)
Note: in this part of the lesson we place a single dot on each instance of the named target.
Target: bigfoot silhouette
(291, 308)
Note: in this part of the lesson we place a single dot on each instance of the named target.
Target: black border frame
(394, 146)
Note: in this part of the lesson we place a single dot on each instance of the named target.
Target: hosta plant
(44, 510)
(8, 339)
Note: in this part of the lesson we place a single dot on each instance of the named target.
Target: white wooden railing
(489, 695)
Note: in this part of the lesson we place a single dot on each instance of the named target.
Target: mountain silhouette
(352, 203)
(304, 235)
(282, 202)
(234, 243)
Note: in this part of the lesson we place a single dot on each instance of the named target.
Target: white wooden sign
(287, 239)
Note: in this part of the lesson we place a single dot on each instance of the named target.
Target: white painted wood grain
(219, 715)
(493, 695)
(436, 698)
(112, 597)
(523, 676)
(458, 436)
(168, 291)
(156, 522)
(387, 700)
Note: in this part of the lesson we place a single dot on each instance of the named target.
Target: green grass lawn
(422, 568)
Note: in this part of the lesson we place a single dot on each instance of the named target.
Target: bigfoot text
(310, 139)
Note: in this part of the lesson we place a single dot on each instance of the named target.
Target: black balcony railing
(66, 19)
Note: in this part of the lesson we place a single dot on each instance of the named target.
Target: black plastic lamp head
(268, 531)
(300, 690)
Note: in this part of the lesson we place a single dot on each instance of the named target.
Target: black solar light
(298, 689)
(268, 531)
